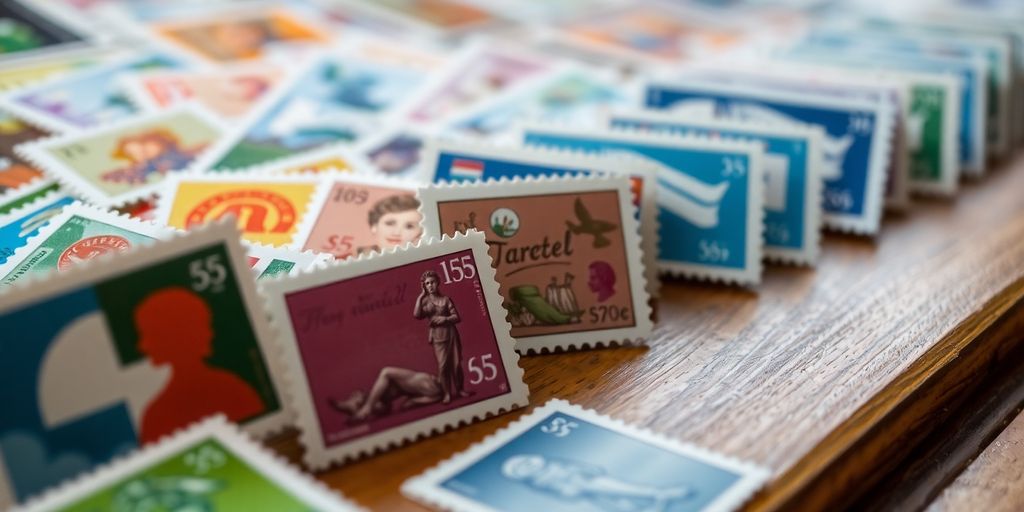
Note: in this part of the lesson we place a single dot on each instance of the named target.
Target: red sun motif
(89, 248)
(257, 211)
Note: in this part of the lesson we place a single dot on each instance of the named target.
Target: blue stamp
(792, 176)
(856, 149)
(466, 161)
(19, 225)
(548, 461)
(710, 197)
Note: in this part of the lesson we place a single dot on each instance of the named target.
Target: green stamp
(26, 194)
(78, 234)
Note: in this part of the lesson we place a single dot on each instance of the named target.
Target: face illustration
(143, 150)
(240, 39)
(397, 228)
(174, 327)
(430, 284)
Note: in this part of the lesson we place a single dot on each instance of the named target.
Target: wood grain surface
(821, 375)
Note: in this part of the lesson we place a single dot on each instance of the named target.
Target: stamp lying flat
(209, 466)
(267, 261)
(17, 197)
(710, 196)
(400, 345)
(466, 161)
(16, 172)
(127, 160)
(792, 170)
(123, 350)
(268, 208)
(75, 234)
(229, 92)
(547, 238)
(24, 222)
(354, 215)
(564, 457)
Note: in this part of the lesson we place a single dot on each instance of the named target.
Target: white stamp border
(25, 189)
(814, 183)
(91, 272)
(168, 190)
(318, 456)
(546, 186)
(425, 488)
(613, 164)
(753, 265)
(258, 458)
(867, 223)
(50, 197)
(322, 194)
(303, 260)
(37, 153)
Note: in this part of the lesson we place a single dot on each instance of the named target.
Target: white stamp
(564, 457)
(385, 349)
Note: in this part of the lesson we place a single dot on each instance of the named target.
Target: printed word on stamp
(268, 208)
(127, 350)
(466, 161)
(564, 457)
(355, 215)
(564, 252)
(710, 196)
(385, 349)
(127, 160)
(210, 466)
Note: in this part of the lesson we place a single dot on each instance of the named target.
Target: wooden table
(828, 376)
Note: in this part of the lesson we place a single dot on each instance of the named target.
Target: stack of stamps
(350, 220)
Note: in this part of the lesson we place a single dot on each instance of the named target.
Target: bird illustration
(589, 226)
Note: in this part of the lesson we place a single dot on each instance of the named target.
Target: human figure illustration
(442, 335)
(392, 385)
(394, 221)
(154, 152)
(602, 280)
(175, 328)
(572, 481)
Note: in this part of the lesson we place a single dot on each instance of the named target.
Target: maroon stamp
(389, 348)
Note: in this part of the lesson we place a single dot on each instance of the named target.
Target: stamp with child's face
(565, 252)
(230, 93)
(386, 349)
(356, 216)
(268, 208)
(128, 351)
(550, 460)
(209, 466)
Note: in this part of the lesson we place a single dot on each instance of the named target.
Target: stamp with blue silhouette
(125, 350)
(547, 461)
(710, 196)
(792, 174)
(859, 132)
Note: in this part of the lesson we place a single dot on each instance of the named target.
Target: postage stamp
(393, 152)
(856, 147)
(211, 465)
(241, 34)
(267, 261)
(268, 208)
(792, 171)
(230, 92)
(384, 349)
(431, 17)
(14, 198)
(82, 99)
(356, 215)
(15, 171)
(547, 461)
(72, 235)
(23, 222)
(466, 161)
(544, 234)
(333, 98)
(337, 158)
(28, 32)
(23, 72)
(124, 350)
(126, 160)
(710, 196)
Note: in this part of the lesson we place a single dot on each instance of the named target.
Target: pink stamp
(386, 349)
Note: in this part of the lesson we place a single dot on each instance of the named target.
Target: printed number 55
(559, 427)
(207, 272)
(488, 372)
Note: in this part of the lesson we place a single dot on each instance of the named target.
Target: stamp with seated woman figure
(384, 349)
(567, 253)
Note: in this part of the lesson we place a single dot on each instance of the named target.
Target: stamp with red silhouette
(566, 253)
(388, 348)
(360, 214)
(128, 348)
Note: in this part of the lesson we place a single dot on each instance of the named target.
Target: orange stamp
(358, 215)
(268, 208)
